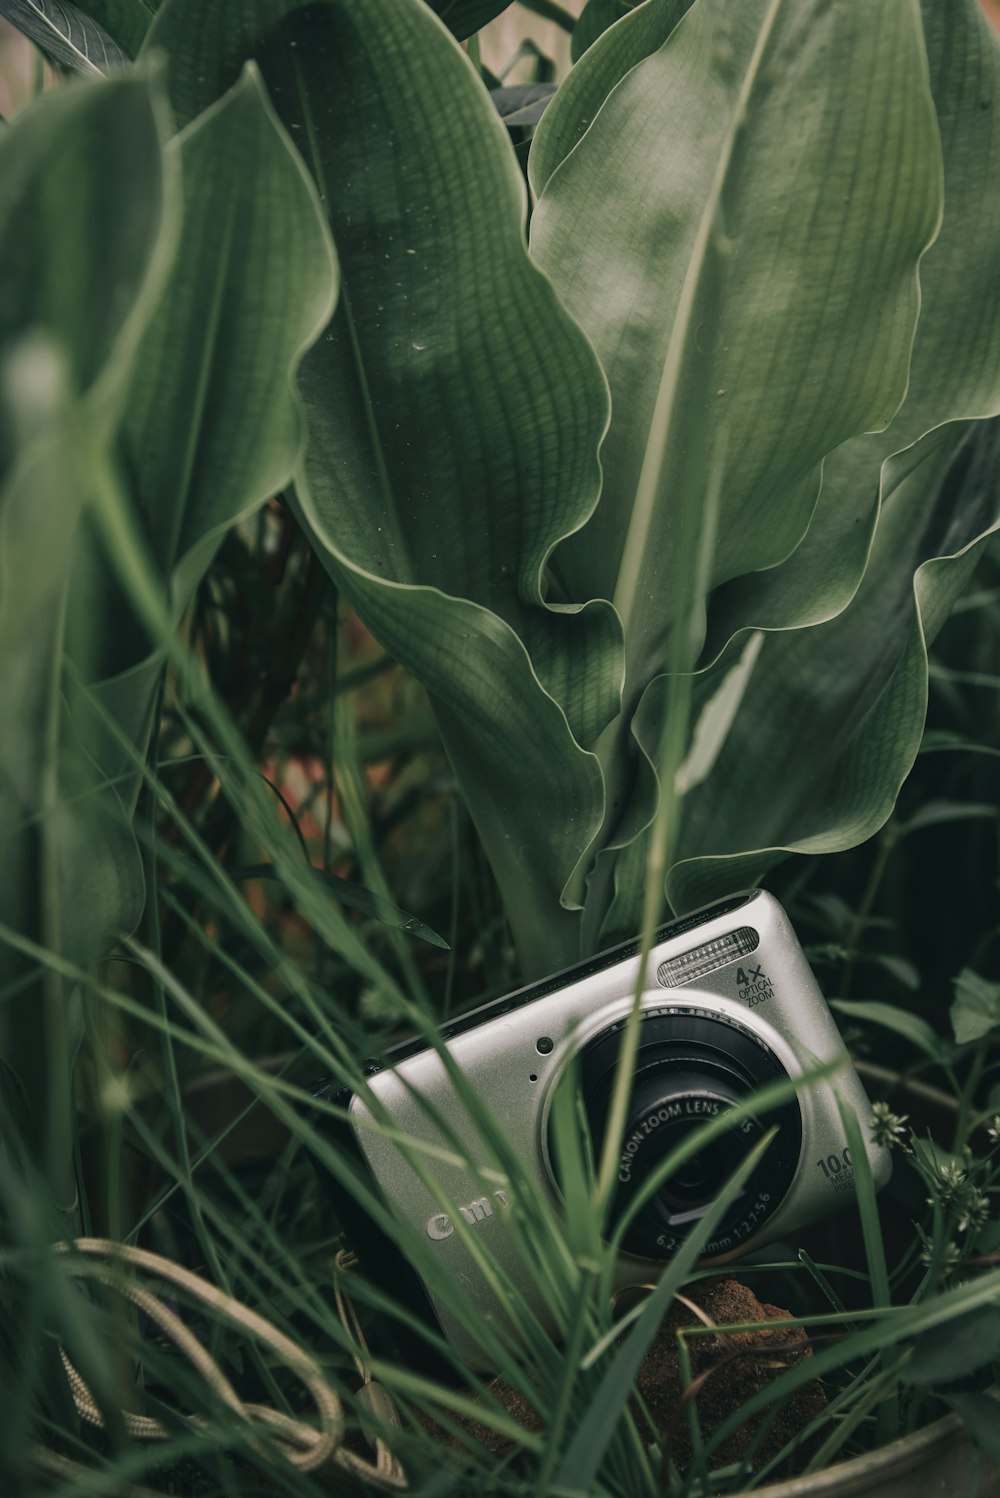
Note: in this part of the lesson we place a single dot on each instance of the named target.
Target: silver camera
(729, 1005)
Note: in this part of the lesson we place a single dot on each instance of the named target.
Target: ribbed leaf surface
(955, 356)
(748, 286)
(454, 409)
(212, 426)
(849, 696)
(753, 293)
(833, 716)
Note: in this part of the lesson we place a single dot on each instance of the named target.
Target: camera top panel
(506, 1004)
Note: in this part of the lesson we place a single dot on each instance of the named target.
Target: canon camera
(728, 1007)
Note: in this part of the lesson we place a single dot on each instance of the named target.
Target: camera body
(729, 1004)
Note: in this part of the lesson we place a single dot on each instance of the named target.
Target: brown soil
(727, 1369)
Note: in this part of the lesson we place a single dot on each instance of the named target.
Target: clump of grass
(269, 1234)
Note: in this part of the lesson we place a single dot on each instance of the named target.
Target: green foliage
(804, 687)
(175, 422)
(68, 336)
(211, 426)
(955, 1350)
(427, 401)
(976, 1010)
(901, 1021)
(750, 340)
(701, 308)
(662, 511)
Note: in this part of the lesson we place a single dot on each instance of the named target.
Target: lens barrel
(691, 1067)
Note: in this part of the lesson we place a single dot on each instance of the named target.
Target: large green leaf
(956, 353)
(87, 232)
(185, 374)
(955, 374)
(723, 265)
(581, 96)
(832, 717)
(455, 413)
(212, 425)
(66, 33)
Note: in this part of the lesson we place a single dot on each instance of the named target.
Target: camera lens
(690, 1067)
(698, 1179)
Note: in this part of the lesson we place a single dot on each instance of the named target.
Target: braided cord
(309, 1447)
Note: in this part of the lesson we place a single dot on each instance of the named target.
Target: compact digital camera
(729, 1004)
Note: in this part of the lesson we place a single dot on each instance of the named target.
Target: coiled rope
(310, 1447)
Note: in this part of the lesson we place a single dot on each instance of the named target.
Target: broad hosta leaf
(954, 361)
(454, 409)
(832, 717)
(736, 303)
(465, 17)
(956, 354)
(212, 425)
(954, 371)
(743, 324)
(65, 33)
(585, 90)
(955, 374)
(86, 238)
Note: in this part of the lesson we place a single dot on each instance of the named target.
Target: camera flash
(706, 958)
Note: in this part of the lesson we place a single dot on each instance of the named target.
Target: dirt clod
(727, 1369)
